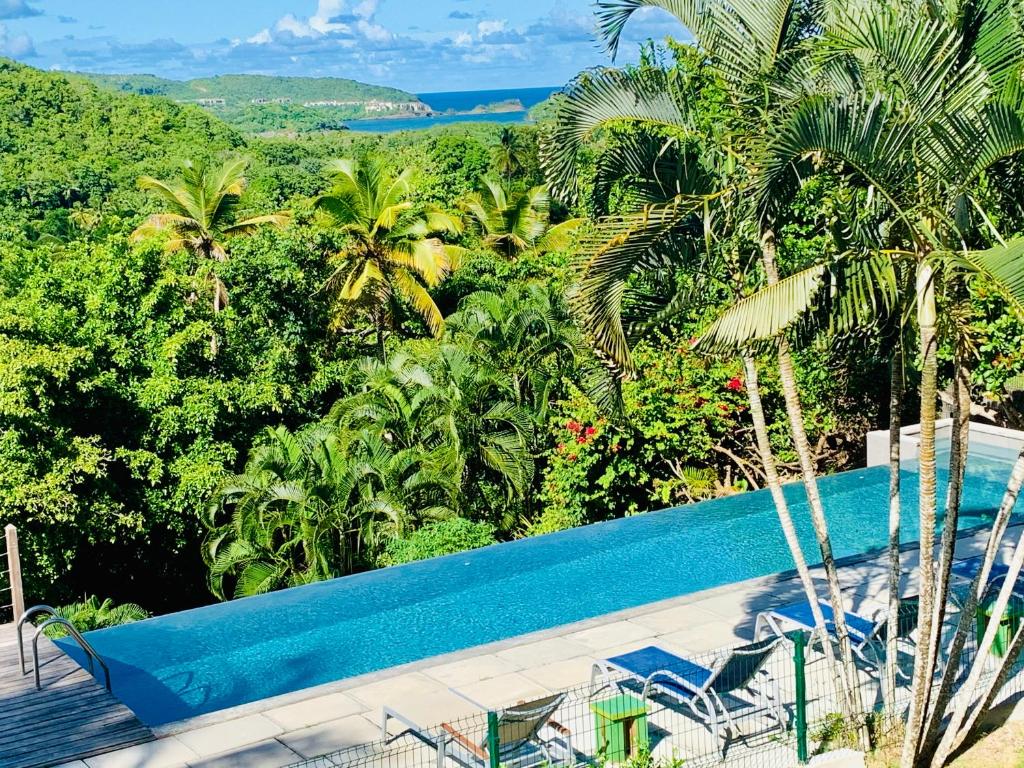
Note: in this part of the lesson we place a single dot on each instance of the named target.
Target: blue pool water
(185, 664)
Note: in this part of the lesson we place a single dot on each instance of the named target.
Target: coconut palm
(200, 215)
(528, 334)
(512, 223)
(394, 251)
(757, 53)
(451, 400)
(509, 153)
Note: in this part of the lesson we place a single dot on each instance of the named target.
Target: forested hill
(239, 90)
(66, 143)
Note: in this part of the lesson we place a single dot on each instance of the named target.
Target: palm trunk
(214, 342)
(957, 464)
(775, 487)
(956, 731)
(955, 651)
(923, 666)
(794, 409)
(892, 626)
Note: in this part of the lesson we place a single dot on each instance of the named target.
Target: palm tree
(924, 101)
(757, 54)
(448, 401)
(512, 223)
(314, 504)
(509, 153)
(200, 214)
(394, 251)
(288, 522)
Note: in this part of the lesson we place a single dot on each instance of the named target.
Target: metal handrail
(56, 620)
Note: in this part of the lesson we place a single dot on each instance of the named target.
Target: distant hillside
(66, 143)
(261, 104)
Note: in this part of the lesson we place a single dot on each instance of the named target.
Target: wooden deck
(72, 717)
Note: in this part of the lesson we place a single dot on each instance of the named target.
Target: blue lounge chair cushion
(800, 613)
(647, 661)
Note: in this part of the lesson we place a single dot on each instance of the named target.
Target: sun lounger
(867, 636)
(710, 693)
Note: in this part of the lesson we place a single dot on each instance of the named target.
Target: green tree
(697, 208)
(200, 215)
(514, 222)
(509, 155)
(393, 251)
(317, 504)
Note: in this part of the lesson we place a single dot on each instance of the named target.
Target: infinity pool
(185, 664)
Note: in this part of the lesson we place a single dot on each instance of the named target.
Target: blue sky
(417, 45)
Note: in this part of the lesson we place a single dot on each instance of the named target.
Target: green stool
(621, 725)
(1008, 623)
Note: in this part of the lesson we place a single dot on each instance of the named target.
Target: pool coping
(348, 683)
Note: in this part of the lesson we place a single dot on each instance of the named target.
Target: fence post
(14, 571)
(493, 745)
(799, 639)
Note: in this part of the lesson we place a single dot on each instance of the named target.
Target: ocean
(459, 101)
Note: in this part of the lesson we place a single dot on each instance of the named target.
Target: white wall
(910, 439)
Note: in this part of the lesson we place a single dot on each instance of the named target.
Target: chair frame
(447, 735)
(870, 649)
(715, 710)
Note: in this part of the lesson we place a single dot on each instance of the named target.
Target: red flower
(573, 426)
(590, 432)
(572, 457)
(561, 447)
(723, 407)
(735, 384)
(581, 440)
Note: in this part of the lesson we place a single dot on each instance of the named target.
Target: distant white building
(211, 102)
(375, 105)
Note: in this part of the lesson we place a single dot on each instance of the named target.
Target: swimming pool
(185, 664)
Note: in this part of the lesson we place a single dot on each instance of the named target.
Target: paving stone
(215, 739)
(508, 689)
(675, 619)
(266, 754)
(543, 652)
(163, 753)
(302, 714)
(471, 670)
(331, 736)
(607, 635)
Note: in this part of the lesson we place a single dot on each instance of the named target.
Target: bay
(459, 102)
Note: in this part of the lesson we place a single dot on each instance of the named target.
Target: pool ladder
(54, 621)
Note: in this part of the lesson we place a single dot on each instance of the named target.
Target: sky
(420, 46)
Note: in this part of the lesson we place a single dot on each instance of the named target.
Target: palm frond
(595, 100)
(611, 252)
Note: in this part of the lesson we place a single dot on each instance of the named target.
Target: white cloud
(260, 38)
(491, 26)
(17, 9)
(350, 38)
(14, 45)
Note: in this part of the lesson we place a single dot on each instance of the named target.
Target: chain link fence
(770, 704)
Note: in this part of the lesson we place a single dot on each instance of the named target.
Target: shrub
(444, 537)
